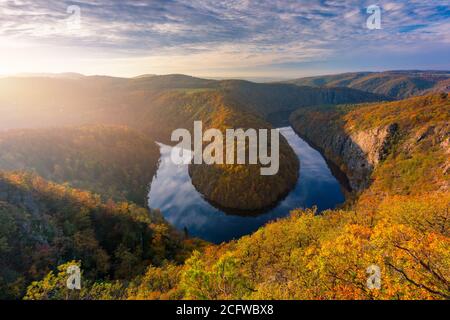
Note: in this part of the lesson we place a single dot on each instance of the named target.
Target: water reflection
(181, 204)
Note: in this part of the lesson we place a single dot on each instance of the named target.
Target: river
(184, 207)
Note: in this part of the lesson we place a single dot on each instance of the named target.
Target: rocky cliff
(354, 153)
(411, 135)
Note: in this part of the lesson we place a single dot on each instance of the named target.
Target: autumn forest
(75, 176)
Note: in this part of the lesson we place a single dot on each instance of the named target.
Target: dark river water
(184, 207)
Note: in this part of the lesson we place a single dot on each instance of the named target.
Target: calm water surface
(183, 206)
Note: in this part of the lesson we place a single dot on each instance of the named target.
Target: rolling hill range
(156, 105)
(49, 101)
(393, 84)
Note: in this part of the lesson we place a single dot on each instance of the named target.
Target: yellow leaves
(412, 111)
(221, 279)
(419, 259)
(52, 285)
(318, 257)
(430, 211)
(327, 256)
(156, 284)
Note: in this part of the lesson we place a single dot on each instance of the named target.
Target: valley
(79, 158)
(237, 158)
(156, 105)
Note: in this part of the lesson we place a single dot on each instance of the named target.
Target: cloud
(252, 31)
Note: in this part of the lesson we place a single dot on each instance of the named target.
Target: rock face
(356, 153)
(398, 147)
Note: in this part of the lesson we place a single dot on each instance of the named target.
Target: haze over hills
(44, 101)
(157, 105)
(394, 84)
(64, 75)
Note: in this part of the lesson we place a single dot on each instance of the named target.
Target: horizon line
(149, 75)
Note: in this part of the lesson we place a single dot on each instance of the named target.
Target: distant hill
(268, 99)
(49, 101)
(394, 84)
(173, 81)
(144, 76)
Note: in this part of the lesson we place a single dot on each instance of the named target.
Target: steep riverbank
(356, 154)
(358, 138)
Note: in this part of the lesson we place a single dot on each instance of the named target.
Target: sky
(216, 38)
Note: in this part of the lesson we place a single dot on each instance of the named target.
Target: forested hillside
(394, 153)
(398, 147)
(271, 98)
(241, 186)
(43, 224)
(306, 256)
(398, 222)
(115, 162)
(393, 84)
